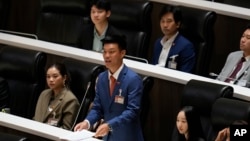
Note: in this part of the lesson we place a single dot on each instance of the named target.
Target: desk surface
(34, 127)
(223, 9)
(95, 57)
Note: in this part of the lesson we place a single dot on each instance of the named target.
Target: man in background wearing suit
(236, 68)
(92, 34)
(119, 107)
(173, 50)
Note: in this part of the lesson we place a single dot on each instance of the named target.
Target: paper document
(83, 135)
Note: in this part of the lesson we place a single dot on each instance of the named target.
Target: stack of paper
(83, 135)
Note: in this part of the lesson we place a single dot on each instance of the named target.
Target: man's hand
(102, 130)
(82, 125)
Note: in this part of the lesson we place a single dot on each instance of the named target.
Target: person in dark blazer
(242, 77)
(173, 50)
(91, 35)
(57, 105)
(119, 107)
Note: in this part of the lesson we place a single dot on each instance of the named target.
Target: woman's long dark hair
(195, 131)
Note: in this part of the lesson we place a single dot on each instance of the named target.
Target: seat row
(62, 22)
(24, 71)
(215, 104)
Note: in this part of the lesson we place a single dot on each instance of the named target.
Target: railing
(219, 8)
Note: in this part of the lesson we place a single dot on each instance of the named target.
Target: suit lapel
(233, 62)
(242, 71)
(121, 77)
(106, 85)
(56, 104)
(44, 108)
(172, 49)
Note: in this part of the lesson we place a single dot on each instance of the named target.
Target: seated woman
(57, 105)
(188, 125)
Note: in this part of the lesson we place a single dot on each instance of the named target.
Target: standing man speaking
(118, 96)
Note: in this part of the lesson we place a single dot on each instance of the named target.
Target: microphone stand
(79, 110)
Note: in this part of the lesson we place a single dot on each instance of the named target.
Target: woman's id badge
(53, 121)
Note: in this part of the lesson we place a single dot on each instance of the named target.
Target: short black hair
(116, 38)
(248, 26)
(101, 4)
(176, 10)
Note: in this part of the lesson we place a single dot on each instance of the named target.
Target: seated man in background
(92, 34)
(118, 97)
(236, 68)
(173, 50)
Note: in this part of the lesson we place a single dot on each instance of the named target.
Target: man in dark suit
(4, 93)
(242, 76)
(173, 50)
(92, 34)
(119, 107)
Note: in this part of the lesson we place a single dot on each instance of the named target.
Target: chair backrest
(240, 3)
(198, 27)
(4, 94)
(24, 70)
(225, 111)
(148, 83)
(133, 19)
(4, 13)
(12, 137)
(202, 96)
(61, 21)
(81, 74)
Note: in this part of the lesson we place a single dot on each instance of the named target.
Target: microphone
(33, 36)
(79, 110)
(217, 75)
(213, 74)
(232, 80)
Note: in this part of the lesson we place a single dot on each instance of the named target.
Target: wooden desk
(34, 128)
